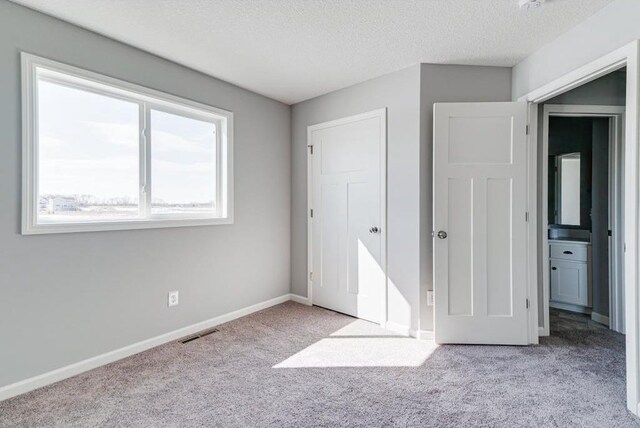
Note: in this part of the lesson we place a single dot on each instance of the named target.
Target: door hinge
(526, 216)
(311, 212)
(310, 148)
(527, 303)
(310, 276)
(527, 129)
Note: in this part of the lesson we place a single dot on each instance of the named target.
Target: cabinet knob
(553, 268)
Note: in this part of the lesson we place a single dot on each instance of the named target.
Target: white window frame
(34, 67)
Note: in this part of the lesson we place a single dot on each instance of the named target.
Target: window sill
(49, 228)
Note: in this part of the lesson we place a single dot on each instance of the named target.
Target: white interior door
(480, 200)
(347, 167)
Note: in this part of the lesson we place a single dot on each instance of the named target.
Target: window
(102, 154)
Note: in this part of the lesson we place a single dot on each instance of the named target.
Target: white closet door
(348, 273)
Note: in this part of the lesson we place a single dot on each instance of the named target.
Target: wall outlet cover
(173, 298)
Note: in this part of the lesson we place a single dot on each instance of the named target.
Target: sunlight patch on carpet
(362, 344)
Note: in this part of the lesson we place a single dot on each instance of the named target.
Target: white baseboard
(541, 331)
(400, 329)
(404, 330)
(299, 299)
(59, 374)
(571, 308)
(425, 335)
(599, 318)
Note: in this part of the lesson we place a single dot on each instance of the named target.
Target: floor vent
(198, 335)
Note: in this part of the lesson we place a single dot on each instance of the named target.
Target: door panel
(347, 200)
(330, 236)
(498, 251)
(569, 283)
(480, 202)
(497, 148)
(460, 268)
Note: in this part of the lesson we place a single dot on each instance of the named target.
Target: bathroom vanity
(570, 274)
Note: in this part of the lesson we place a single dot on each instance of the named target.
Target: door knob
(442, 234)
(374, 230)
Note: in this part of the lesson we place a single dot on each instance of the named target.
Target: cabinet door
(569, 282)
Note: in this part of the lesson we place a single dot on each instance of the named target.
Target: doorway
(582, 222)
(347, 215)
(626, 56)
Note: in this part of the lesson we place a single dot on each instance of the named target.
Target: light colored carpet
(296, 366)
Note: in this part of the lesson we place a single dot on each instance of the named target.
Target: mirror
(567, 189)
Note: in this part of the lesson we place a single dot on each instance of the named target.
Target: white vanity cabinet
(570, 269)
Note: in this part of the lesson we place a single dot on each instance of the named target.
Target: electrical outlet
(173, 298)
(429, 298)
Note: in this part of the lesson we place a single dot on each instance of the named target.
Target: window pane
(88, 156)
(183, 165)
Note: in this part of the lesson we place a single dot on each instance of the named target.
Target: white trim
(616, 113)
(34, 67)
(628, 56)
(299, 299)
(569, 307)
(587, 110)
(401, 329)
(532, 242)
(74, 369)
(582, 75)
(121, 225)
(616, 223)
(541, 332)
(599, 318)
(309, 218)
(382, 115)
(425, 335)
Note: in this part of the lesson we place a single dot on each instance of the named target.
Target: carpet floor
(298, 366)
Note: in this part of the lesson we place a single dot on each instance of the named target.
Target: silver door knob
(374, 230)
(442, 234)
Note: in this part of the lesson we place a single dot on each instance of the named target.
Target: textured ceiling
(292, 50)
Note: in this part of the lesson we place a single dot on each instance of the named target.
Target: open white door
(480, 204)
(347, 174)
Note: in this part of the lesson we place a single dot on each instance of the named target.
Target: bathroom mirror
(567, 189)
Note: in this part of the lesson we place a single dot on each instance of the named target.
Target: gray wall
(69, 297)
(409, 96)
(609, 90)
(447, 83)
(611, 28)
(399, 92)
(600, 216)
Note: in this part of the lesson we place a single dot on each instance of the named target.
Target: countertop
(569, 241)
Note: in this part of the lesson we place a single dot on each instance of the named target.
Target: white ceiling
(292, 50)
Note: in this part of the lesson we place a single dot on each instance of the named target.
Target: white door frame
(625, 56)
(381, 114)
(616, 114)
